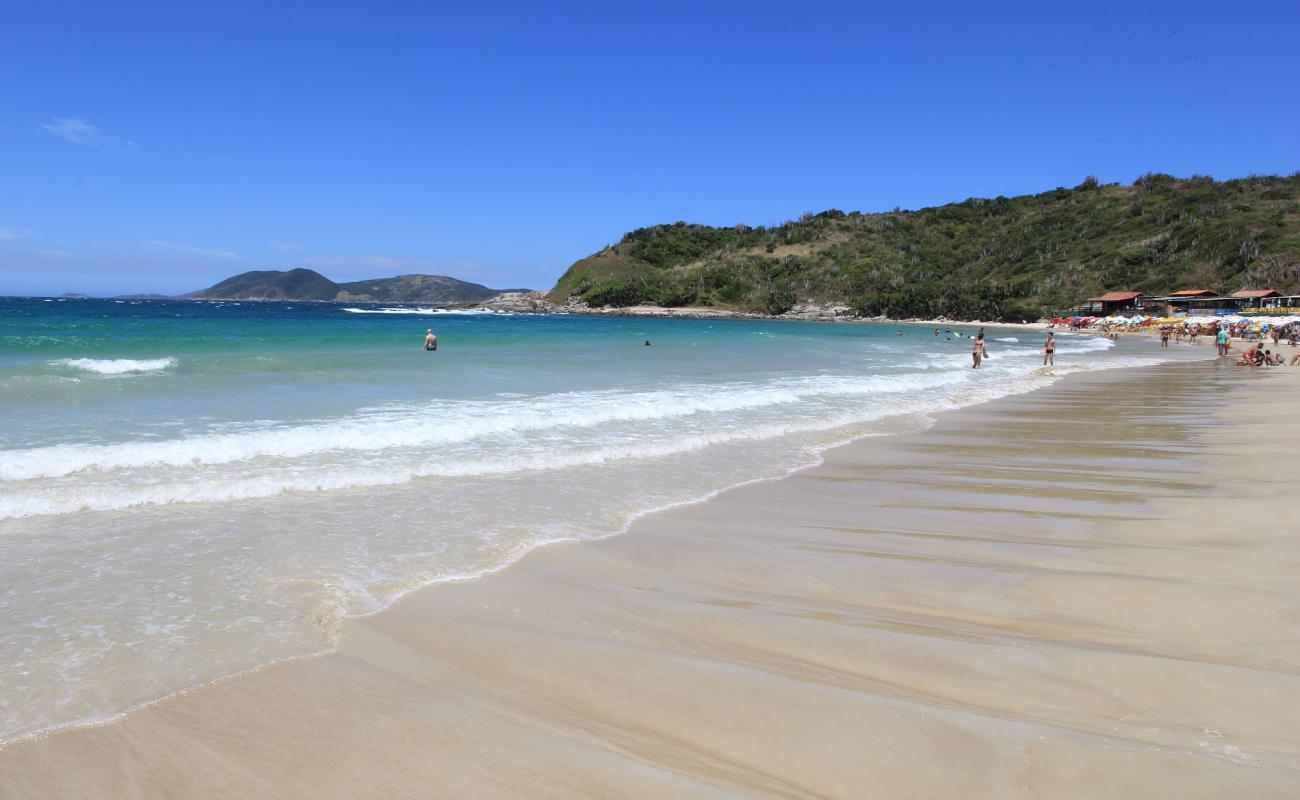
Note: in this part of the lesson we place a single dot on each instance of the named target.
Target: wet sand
(1087, 591)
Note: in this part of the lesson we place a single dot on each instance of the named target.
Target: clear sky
(161, 147)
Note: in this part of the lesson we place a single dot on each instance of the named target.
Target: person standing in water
(1049, 350)
(977, 353)
(430, 341)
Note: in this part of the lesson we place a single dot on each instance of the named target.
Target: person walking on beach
(430, 341)
(1049, 350)
(977, 352)
(1221, 341)
(1164, 337)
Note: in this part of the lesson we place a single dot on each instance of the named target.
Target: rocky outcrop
(520, 302)
(827, 311)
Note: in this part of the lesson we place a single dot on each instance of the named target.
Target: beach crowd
(1253, 331)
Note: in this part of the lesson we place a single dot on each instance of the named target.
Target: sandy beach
(1085, 591)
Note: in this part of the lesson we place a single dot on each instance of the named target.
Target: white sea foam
(445, 423)
(116, 366)
(477, 439)
(427, 311)
(1006, 339)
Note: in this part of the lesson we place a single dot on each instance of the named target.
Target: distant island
(1005, 258)
(306, 284)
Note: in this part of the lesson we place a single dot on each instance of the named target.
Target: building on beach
(1190, 302)
(1113, 303)
(1258, 298)
(1196, 303)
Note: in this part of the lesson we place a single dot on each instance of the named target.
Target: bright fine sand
(1092, 590)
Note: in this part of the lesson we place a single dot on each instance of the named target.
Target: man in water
(1049, 350)
(1221, 339)
(430, 341)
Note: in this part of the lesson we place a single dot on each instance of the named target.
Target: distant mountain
(416, 289)
(296, 284)
(306, 284)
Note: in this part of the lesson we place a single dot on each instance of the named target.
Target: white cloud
(8, 234)
(55, 253)
(461, 268)
(188, 248)
(78, 131)
(384, 262)
(325, 262)
(289, 247)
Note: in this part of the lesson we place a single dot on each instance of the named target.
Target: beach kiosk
(1258, 298)
(1200, 303)
(1113, 303)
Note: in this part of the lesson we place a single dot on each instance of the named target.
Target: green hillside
(1005, 258)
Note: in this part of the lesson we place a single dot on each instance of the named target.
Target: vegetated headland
(1004, 258)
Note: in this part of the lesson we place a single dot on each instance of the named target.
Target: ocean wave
(445, 423)
(116, 366)
(126, 491)
(1006, 339)
(424, 312)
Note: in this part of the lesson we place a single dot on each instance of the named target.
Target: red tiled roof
(1112, 297)
(1190, 292)
(1255, 293)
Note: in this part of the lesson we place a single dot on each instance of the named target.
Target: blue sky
(162, 147)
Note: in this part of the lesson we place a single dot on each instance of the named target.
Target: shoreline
(819, 456)
(360, 633)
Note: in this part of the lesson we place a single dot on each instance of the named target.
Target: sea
(192, 490)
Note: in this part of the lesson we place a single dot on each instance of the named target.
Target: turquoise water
(190, 490)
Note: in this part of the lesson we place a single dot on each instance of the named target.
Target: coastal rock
(520, 302)
(813, 311)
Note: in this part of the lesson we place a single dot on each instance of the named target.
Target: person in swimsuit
(430, 341)
(977, 353)
(1049, 350)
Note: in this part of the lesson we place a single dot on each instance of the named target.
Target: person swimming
(430, 341)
